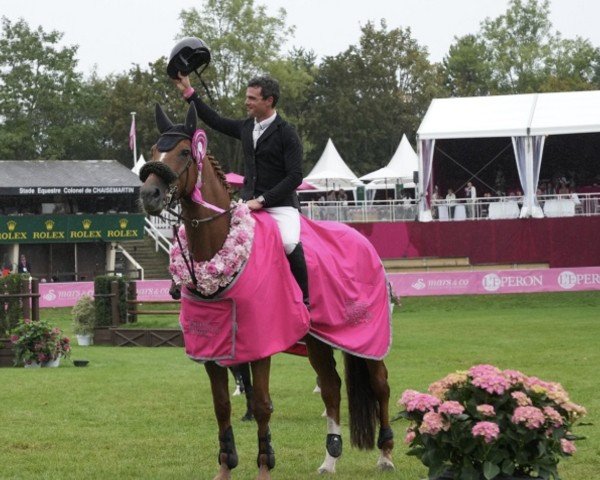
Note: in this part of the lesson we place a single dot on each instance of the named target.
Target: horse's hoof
(325, 471)
(248, 417)
(385, 464)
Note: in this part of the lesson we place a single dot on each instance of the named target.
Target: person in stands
(24, 266)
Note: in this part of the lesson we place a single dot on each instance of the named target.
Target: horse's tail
(362, 403)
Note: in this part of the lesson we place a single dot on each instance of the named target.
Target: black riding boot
(298, 268)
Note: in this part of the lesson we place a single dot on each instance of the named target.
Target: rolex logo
(87, 223)
(123, 223)
(11, 224)
(49, 224)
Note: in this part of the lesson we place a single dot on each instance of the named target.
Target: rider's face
(256, 105)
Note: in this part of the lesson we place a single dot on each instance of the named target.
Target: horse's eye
(185, 153)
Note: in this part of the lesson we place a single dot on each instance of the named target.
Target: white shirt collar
(263, 125)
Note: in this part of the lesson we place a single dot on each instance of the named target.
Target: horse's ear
(162, 121)
(190, 120)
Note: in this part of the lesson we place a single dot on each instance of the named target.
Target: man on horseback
(272, 162)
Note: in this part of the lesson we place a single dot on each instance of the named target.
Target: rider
(272, 162)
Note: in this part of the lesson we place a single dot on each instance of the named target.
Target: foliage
(369, 95)
(492, 422)
(84, 316)
(38, 342)
(520, 52)
(103, 300)
(11, 309)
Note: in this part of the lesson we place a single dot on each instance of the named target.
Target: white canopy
(331, 171)
(138, 165)
(512, 115)
(400, 168)
(526, 118)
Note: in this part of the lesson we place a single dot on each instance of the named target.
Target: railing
(496, 208)
(158, 231)
(361, 212)
(133, 261)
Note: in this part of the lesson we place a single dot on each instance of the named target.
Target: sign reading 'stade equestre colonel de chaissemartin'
(70, 228)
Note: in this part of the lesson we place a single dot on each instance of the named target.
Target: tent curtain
(426, 148)
(528, 156)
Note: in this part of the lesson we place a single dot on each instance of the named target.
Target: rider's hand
(254, 204)
(182, 83)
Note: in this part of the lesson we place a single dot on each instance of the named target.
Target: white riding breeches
(288, 222)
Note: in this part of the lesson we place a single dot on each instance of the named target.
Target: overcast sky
(114, 34)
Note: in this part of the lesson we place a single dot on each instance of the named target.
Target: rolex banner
(70, 228)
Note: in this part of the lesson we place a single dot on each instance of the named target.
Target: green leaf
(490, 470)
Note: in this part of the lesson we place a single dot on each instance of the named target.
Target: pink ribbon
(199, 144)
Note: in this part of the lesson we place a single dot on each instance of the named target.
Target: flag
(132, 134)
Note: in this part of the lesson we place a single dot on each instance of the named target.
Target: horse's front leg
(262, 408)
(323, 362)
(228, 458)
(378, 377)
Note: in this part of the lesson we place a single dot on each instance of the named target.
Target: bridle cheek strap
(199, 144)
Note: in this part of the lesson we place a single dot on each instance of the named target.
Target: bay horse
(180, 171)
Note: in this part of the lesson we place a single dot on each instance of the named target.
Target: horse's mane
(219, 173)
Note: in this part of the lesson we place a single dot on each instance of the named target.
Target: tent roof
(512, 115)
(331, 168)
(138, 165)
(401, 167)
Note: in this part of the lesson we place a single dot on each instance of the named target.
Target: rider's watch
(261, 200)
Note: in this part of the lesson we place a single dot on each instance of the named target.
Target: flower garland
(220, 270)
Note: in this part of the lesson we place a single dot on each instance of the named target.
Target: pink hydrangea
(553, 416)
(514, 376)
(486, 410)
(493, 383)
(482, 370)
(531, 417)
(410, 436)
(451, 408)
(521, 398)
(488, 430)
(440, 388)
(422, 402)
(433, 423)
(567, 446)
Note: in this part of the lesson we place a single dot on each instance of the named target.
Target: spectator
(24, 266)
(451, 201)
(6, 266)
(472, 196)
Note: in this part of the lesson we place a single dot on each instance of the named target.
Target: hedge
(11, 309)
(102, 303)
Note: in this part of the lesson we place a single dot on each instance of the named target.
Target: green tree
(38, 94)
(365, 98)
(243, 41)
(467, 70)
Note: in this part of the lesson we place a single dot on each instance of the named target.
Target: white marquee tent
(138, 165)
(399, 170)
(526, 118)
(331, 172)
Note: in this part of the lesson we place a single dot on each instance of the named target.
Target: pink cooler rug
(261, 312)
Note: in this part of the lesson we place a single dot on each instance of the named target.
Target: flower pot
(85, 340)
(51, 363)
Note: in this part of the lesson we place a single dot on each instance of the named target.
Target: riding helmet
(188, 55)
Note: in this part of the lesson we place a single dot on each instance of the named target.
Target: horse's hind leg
(228, 458)
(378, 378)
(262, 408)
(322, 360)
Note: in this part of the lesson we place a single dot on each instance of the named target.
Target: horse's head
(171, 174)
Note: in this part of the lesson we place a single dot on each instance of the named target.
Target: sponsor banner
(497, 281)
(70, 228)
(54, 295)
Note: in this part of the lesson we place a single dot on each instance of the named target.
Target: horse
(180, 171)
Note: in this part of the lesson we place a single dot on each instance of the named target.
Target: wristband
(188, 92)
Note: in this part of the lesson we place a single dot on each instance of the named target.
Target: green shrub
(84, 315)
(11, 309)
(102, 303)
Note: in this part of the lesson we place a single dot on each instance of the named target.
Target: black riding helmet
(188, 55)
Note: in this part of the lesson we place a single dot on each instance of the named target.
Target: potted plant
(488, 423)
(39, 344)
(84, 320)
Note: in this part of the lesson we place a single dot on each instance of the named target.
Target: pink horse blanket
(261, 313)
